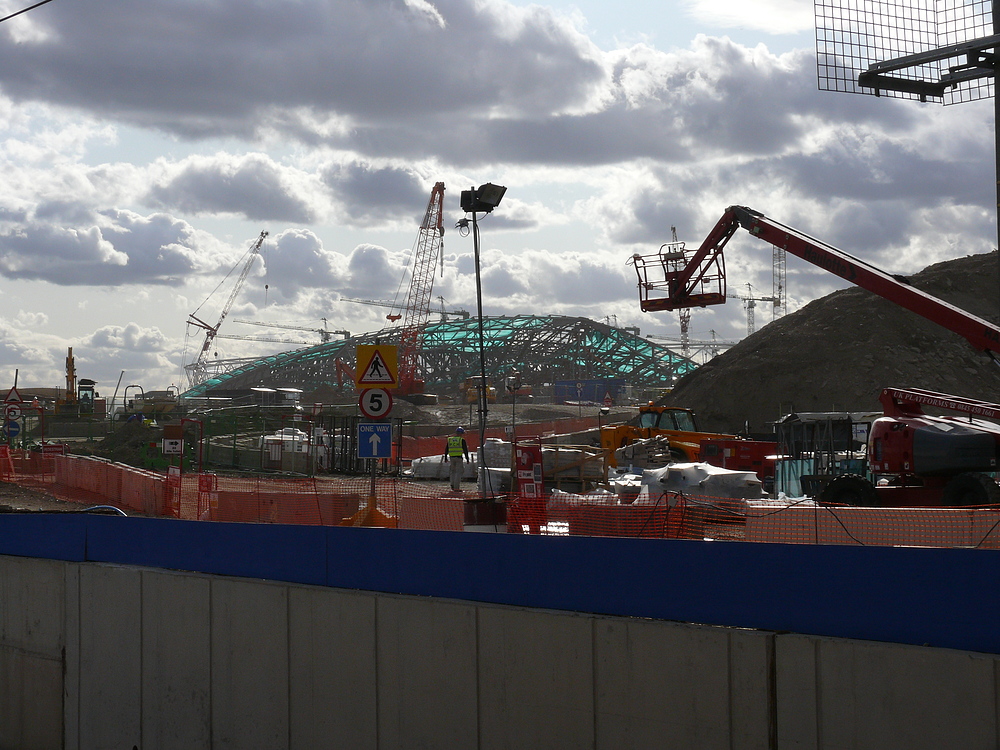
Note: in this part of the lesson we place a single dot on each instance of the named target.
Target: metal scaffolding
(544, 349)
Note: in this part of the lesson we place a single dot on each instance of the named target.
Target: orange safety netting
(334, 500)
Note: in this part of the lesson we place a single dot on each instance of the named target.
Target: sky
(145, 147)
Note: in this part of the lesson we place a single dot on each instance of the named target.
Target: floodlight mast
(481, 200)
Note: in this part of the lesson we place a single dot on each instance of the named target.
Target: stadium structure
(542, 349)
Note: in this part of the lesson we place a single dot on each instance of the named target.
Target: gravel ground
(17, 499)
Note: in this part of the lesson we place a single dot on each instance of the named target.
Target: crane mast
(430, 240)
(196, 369)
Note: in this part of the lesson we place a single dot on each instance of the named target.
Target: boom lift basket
(666, 282)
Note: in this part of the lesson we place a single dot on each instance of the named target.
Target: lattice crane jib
(196, 369)
(430, 241)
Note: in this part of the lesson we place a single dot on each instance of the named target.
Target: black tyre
(971, 488)
(850, 489)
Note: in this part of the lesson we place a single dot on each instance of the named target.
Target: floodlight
(483, 200)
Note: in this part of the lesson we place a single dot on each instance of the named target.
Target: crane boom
(430, 239)
(669, 281)
(212, 331)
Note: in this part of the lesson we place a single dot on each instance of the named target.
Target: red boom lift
(917, 459)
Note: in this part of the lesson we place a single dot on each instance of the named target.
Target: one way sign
(374, 439)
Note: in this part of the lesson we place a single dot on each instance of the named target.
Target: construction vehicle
(914, 459)
(676, 424)
(470, 387)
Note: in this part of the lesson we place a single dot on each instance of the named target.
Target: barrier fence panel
(331, 500)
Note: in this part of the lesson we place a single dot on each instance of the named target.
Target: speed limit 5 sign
(375, 402)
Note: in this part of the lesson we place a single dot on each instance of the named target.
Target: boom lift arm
(682, 278)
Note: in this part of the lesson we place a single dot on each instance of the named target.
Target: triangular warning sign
(13, 397)
(376, 372)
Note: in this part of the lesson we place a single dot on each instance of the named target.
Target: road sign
(171, 447)
(377, 366)
(12, 428)
(13, 411)
(375, 402)
(374, 439)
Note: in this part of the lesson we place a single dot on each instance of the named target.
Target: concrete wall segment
(427, 673)
(332, 669)
(796, 692)
(904, 697)
(536, 679)
(110, 686)
(32, 602)
(176, 661)
(249, 664)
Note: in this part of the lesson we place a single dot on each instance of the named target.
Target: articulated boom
(673, 280)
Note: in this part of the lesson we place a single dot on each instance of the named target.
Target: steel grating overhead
(544, 349)
(852, 36)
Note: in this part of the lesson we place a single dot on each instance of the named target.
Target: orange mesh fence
(680, 516)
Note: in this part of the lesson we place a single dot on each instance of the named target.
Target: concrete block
(426, 651)
(907, 697)
(661, 684)
(795, 692)
(110, 684)
(536, 679)
(32, 604)
(31, 707)
(332, 668)
(249, 664)
(176, 659)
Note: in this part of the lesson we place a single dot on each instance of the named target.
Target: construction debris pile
(838, 353)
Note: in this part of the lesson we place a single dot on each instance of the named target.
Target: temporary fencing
(684, 516)
(336, 500)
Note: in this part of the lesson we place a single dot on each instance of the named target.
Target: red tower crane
(416, 313)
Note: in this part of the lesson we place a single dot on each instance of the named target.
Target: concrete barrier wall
(97, 655)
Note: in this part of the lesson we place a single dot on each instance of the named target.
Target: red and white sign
(13, 397)
(375, 402)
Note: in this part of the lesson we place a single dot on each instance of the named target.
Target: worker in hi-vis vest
(455, 449)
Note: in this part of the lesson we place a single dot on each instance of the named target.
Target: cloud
(772, 16)
(253, 186)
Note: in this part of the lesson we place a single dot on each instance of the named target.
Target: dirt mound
(839, 352)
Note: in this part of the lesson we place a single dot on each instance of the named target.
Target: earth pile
(838, 353)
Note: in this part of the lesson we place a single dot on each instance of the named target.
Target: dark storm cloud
(366, 191)
(217, 68)
(251, 187)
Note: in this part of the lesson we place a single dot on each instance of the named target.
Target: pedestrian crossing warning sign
(377, 366)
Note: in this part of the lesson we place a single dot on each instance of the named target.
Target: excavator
(915, 459)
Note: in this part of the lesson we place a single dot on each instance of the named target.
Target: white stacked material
(625, 484)
(496, 453)
(559, 499)
(438, 467)
(644, 453)
(493, 480)
(698, 480)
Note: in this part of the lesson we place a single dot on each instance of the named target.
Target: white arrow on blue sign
(374, 439)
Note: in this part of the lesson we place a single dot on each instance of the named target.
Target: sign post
(374, 443)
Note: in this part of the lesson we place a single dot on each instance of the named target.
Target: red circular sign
(375, 402)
